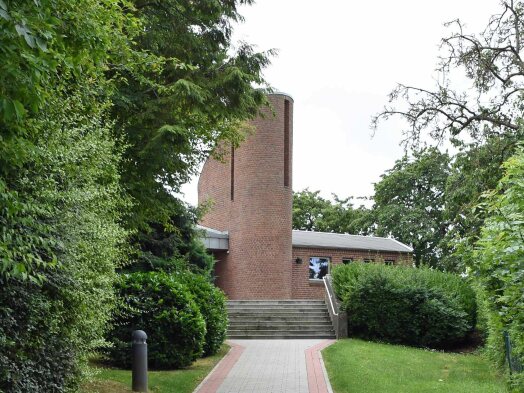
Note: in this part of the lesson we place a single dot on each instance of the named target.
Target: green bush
(403, 305)
(60, 240)
(164, 308)
(212, 304)
(499, 264)
(60, 201)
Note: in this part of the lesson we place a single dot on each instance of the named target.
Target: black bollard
(139, 361)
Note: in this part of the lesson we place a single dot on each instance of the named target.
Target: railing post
(139, 378)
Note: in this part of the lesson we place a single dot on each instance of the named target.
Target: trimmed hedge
(403, 305)
(165, 309)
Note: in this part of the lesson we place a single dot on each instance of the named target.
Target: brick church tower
(251, 195)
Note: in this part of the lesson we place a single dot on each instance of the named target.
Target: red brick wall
(259, 217)
(214, 187)
(303, 288)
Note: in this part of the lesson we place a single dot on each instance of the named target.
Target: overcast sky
(339, 60)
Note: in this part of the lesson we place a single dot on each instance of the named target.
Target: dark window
(318, 267)
(389, 262)
(232, 172)
(345, 261)
(286, 143)
(368, 260)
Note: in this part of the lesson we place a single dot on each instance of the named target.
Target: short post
(139, 361)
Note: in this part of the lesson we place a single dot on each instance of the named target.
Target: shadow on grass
(111, 380)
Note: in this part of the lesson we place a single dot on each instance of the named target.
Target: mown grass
(356, 366)
(111, 380)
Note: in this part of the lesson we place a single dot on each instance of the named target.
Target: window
(318, 267)
(369, 260)
(286, 143)
(232, 172)
(389, 262)
(346, 261)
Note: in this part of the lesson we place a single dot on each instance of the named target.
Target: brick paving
(316, 375)
(269, 366)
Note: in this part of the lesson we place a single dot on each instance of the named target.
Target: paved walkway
(270, 366)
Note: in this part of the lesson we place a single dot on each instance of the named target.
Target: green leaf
(25, 32)
(19, 109)
(41, 44)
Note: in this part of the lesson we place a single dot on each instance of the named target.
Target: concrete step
(273, 302)
(316, 307)
(271, 317)
(296, 325)
(266, 319)
(278, 317)
(301, 328)
(276, 311)
(277, 335)
(302, 331)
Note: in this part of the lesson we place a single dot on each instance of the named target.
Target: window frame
(347, 260)
(309, 268)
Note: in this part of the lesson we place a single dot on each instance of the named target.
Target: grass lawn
(356, 366)
(181, 381)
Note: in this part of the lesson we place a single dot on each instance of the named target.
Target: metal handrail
(330, 297)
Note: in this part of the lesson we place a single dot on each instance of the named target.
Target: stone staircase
(272, 319)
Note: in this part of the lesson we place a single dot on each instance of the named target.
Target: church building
(249, 224)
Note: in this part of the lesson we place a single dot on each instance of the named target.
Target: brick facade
(304, 288)
(257, 213)
(250, 191)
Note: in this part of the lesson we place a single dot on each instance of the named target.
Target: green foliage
(409, 203)
(167, 247)
(63, 303)
(165, 309)
(419, 307)
(36, 351)
(475, 169)
(211, 302)
(60, 199)
(197, 92)
(499, 258)
(311, 212)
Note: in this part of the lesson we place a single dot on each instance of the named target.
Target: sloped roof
(210, 232)
(350, 242)
(213, 239)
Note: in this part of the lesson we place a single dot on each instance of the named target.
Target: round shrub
(212, 304)
(418, 307)
(163, 307)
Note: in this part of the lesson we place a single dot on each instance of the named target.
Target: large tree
(189, 90)
(493, 63)
(483, 122)
(475, 169)
(311, 212)
(192, 91)
(409, 203)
